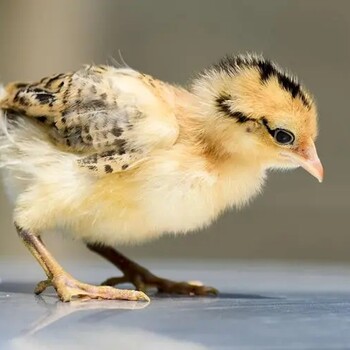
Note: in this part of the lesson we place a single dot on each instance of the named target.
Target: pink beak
(307, 158)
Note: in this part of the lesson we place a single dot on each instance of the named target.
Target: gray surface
(261, 306)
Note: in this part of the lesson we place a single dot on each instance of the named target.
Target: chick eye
(283, 137)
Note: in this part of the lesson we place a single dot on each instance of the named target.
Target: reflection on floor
(261, 306)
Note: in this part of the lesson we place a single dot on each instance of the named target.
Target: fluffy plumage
(113, 156)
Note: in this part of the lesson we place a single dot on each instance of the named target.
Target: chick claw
(69, 289)
(143, 279)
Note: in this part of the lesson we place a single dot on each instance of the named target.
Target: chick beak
(307, 158)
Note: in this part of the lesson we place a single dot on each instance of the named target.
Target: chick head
(254, 108)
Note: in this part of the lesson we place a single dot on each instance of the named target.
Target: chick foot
(143, 279)
(67, 287)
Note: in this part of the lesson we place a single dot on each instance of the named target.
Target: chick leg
(142, 278)
(67, 287)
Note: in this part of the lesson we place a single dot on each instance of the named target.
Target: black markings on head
(103, 96)
(108, 169)
(266, 124)
(222, 103)
(289, 85)
(305, 101)
(267, 70)
(241, 118)
(125, 166)
(93, 89)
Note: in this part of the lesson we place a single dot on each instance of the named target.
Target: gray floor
(261, 306)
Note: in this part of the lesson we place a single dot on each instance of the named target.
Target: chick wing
(112, 117)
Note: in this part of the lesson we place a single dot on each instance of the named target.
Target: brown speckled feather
(82, 112)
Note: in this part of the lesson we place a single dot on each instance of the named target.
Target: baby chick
(115, 156)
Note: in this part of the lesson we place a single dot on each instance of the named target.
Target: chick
(114, 156)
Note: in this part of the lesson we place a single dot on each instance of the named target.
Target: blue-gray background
(295, 218)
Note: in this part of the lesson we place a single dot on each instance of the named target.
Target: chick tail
(26, 153)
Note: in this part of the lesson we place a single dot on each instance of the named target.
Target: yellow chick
(115, 156)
